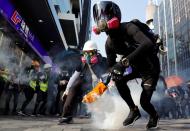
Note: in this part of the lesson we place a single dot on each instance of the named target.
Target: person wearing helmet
(42, 92)
(139, 54)
(47, 68)
(31, 85)
(86, 76)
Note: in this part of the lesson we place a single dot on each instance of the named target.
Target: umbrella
(173, 81)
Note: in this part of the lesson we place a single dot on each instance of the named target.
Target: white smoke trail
(10, 58)
(109, 111)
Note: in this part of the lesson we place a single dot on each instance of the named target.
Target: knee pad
(148, 84)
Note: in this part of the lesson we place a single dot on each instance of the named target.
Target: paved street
(50, 124)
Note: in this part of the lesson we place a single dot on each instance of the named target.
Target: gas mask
(104, 25)
(89, 57)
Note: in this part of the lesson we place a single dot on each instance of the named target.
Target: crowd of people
(173, 102)
(138, 47)
(35, 79)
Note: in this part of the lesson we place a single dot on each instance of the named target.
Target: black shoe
(153, 122)
(134, 115)
(33, 114)
(65, 120)
(39, 115)
(14, 113)
(6, 113)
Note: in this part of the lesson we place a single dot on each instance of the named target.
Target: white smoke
(12, 58)
(110, 110)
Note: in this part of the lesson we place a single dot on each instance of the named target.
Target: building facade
(172, 22)
(150, 11)
(72, 18)
(12, 23)
(17, 41)
(51, 31)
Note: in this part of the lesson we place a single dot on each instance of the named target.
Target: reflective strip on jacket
(43, 86)
(32, 84)
(5, 77)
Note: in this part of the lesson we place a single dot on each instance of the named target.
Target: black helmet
(106, 10)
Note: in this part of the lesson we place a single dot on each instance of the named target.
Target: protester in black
(63, 81)
(139, 51)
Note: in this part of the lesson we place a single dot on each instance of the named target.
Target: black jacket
(130, 41)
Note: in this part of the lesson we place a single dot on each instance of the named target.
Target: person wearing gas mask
(139, 53)
(86, 76)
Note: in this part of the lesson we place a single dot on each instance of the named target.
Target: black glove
(105, 78)
(117, 71)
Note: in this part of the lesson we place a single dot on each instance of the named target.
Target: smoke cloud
(12, 58)
(110, 110)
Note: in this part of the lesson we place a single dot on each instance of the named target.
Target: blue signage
(15, 19)
(21, 26)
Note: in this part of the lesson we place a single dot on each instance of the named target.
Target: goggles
(89, 53)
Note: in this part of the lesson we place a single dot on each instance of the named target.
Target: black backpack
(144, 28)
(148, 32)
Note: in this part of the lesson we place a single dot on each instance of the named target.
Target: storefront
(18, 46)
(14, 28)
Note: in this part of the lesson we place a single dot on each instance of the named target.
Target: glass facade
(172, 22)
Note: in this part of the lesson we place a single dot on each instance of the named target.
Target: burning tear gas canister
(98, 90)
(95, 93)
(101, 87)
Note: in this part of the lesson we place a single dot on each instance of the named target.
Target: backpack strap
(144, 28)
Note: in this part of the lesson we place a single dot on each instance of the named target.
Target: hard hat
(46, 66)
(89, 45)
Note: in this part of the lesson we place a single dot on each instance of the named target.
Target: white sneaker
(21, 113)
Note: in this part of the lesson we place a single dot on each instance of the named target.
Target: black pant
(71, 99)
(59, 103)
(41, 97)
(3, 85)
(9, 93)
(29, 93)
(145, 95)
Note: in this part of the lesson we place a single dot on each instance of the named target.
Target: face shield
(103, 10)
(106, 15)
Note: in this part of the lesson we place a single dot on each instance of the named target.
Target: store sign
(8, 11)
(21, 26)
